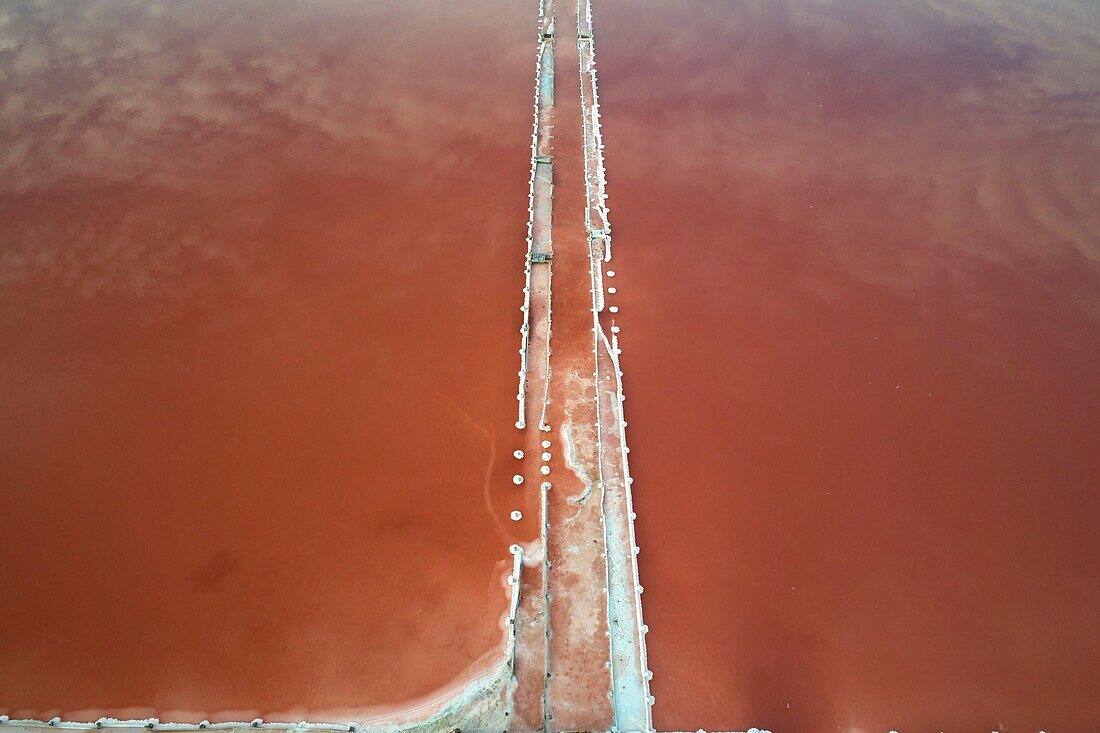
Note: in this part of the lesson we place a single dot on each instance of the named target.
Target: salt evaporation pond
(857, 254)
(249, 400)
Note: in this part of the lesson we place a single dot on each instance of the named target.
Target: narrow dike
(583, 627)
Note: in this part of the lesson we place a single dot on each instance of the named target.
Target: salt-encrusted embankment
(532, 660)
(535, 359)
(629, 663)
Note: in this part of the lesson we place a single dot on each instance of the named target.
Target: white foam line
(513, 608)
(543, 425)
(545, 533)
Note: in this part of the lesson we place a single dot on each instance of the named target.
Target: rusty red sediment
(513, 605)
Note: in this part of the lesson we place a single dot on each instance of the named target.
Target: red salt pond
(260, 269)
(858, 265)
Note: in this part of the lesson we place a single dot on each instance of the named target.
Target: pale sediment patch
(572, 460)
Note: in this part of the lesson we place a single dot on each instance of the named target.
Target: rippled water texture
(860, 293)
(249, 392)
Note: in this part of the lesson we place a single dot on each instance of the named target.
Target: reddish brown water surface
(249, 397)
(858, 249)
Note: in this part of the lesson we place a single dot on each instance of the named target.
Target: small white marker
(546, 444)
(517, 479)
(612, 290)
(546, 456)
(614, 309)
(545, 470)
(516, 515)
(611, 273)
(517, 453)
